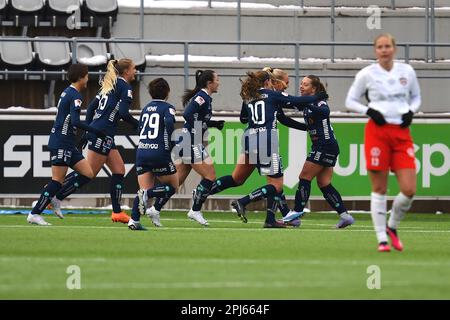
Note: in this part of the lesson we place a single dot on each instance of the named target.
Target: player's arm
(298, 101)
(289, 122)
(416, 98)
(192, 111)
(355, 93)
(243, 117)
(169, 123)
(124, 108)
(90, 111)
(75, 108)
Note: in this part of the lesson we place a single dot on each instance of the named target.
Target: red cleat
(384, 247)
(120, 217)
(395, 240)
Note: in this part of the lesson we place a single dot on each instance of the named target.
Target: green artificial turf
(227, 260)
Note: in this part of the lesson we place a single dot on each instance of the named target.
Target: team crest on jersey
(130, 94)
(77, 103)
(172, 111)
(375, 152)
(321, 103)
(403, 81)
(285, 94)
(199, 100)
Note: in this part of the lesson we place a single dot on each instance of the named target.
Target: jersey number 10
(152, 121)
(258, 112)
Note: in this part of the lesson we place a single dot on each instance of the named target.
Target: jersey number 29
(152, 121)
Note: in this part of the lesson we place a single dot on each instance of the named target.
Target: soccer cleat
(153, 214)
(37, 219)
(142, 196)
(240, 209)
(395, 240)
(345, 220)
(197, 216)
(120, 217)
(293, 223)
(56, 206)
(136, 226)
(384, 247)
(292, 215)
(275, 224)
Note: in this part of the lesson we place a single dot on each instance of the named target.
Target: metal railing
(430, 24)
(186, 45)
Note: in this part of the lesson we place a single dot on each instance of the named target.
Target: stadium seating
(3, 9)
(100, 13)
(93, 54)
(135, 51)
(52, 55)
(16, 54)
(58, 11)
(26, 12)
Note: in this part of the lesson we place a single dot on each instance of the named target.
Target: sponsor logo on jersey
(199, 100)
(143, 145)
(403, 81)
(172, 111)
(130, 94)
(321, 103)
(77, 103)
(285, 94)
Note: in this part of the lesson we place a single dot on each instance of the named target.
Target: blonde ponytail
(109, 80)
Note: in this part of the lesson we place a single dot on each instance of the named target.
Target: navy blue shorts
(101, 145)
(160, 164)
(158, 169)
(190, 154)
(65, 157)
(272, 168)
(324, 157)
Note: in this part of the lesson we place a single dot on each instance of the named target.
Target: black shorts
(323, 156)
(101, 145)
(65, 157)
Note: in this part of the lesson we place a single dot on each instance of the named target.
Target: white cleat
(197, 216)
(143, 198)
(37, 219)
(56, 205)
(153, 214)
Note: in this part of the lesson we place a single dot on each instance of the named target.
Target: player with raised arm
(153, 154)
(394, 96)
(104, 113)
(322, 158)
(261, 140)
(279, 81)
(63, 151)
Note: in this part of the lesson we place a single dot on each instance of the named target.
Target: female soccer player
(63, 152)
(153, 155)
(322, 158)
(394, 96)
(104, 112)
(279, 81)
(190, 149)
(261, 140)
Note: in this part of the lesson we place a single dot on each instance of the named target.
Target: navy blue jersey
(67, 120)
(156, 125)
(198, 109)
(262, 112)
(317, 119)
(111, 108)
